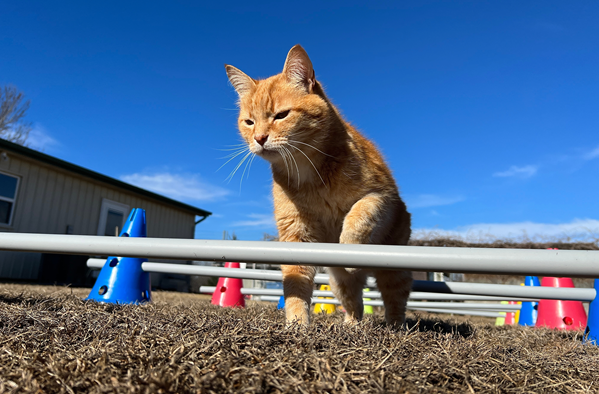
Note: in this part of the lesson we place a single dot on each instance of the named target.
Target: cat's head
(279, 115)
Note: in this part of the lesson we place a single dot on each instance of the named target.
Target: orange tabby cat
(330, 184)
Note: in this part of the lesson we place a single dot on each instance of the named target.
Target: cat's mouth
(263, 151)
(267, 152)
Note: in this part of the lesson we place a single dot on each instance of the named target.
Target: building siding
(50, 198)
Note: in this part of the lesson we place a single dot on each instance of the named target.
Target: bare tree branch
(12, 111)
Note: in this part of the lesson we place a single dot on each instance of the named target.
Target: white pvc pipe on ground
(415, 295)
(572, 263)
(483, 289)
(415, 304)
(461, 312)
(473, 312)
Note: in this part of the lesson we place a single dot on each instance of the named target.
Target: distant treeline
(456, 243)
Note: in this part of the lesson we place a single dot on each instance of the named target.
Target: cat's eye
(249, 122)
(282, 115)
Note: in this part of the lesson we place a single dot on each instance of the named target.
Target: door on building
(112, 217)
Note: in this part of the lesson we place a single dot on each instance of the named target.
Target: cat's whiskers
(296, 167)
(238, 151)
(249, 162)
(297, 134)
(234, 146)
(230, 177)
(313, 147)
(315, 169)
(282, 153)
(233, 155)
(240, 146)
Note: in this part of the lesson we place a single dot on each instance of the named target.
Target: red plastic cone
(228, 290)
(510, 317)
(565, 315)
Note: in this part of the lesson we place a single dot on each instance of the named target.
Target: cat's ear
(240, 81)
(298, 69)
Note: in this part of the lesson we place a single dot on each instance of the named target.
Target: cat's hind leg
(298, 284)
(395, 289)
(347, 287)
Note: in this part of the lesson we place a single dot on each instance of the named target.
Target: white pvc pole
(484, 289)
(461, 312)
(572, 263)
(416, 304)
(456, 312)
(415, 295)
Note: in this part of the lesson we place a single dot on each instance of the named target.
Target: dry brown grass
(52, 341)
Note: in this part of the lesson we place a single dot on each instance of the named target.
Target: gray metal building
(42, 194)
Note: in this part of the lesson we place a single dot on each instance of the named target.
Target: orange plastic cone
(228, 290)
(565, 315)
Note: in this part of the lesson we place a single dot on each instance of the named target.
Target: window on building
(112, 217)
(8, 193)
(114, 222)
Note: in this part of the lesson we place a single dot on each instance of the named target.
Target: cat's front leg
(298, 280)
(298, 284)
(347, 287)
(366, 221)
(376, 219)
(358, 227)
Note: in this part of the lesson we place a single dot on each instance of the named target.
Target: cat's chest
(325, 205)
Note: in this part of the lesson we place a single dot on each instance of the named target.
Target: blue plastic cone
(122, 280)
(592, 331)
(529, 310)
(281, 304)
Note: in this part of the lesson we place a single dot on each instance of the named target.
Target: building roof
(44, 158)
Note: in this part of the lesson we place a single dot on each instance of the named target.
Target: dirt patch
(53, 341)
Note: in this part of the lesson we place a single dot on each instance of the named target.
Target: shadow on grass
(463, 329)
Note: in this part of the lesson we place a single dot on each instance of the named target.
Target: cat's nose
(261, 139)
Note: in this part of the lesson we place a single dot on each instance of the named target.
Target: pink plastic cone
(510, 317)
(565, 315)
(228, 291)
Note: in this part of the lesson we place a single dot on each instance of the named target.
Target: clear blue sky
(488, 112)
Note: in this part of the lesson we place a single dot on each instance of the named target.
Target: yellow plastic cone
(324, 308)
(368, 308)
(500, 321)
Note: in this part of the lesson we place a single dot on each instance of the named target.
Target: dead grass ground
(53, 342)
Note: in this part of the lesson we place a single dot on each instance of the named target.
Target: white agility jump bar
(411, 304)
(415, 295)
(483, 289)
(486, 313)
(571, 263)
(427, 305)
(461, 312)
